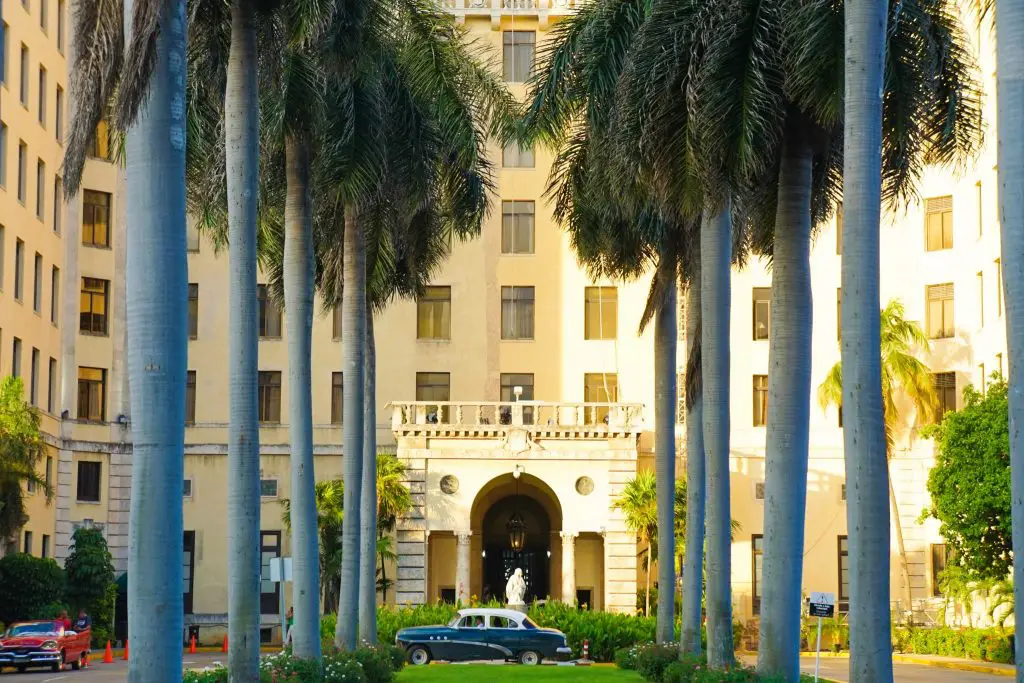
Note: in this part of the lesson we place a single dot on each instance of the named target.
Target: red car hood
(26, 641)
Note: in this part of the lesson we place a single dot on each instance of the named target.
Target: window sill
(270, 339)
(105, 247)
(435, 340)
(88, 502)
(86, 421)
(101, 335)
(519, 339)
(520, 254)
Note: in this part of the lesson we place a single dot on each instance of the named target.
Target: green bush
(378, 664)
(999, 649)
(625, 657)
(652, 660)
(217, 674)
(30, 584)
(991, 645)
(684, 670)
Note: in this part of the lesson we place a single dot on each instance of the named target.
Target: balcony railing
(489, 7)
(482, 417)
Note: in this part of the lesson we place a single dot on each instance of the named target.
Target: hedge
(988, 645)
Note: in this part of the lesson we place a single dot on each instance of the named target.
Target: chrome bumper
(564, 652)
(29, 659)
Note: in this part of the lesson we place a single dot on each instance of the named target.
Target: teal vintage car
(484, 634)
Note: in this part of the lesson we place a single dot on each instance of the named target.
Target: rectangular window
(762, 312)
(93, 315)
(193, 310)
(24, 75)
(517, 308)
(44, 15)
(509, 382)
(3, 255)
(19, 269)
(514, 156)
(192, 236)
(980, 277)
(268, 488)
(51, 392)
(4, 31)
(270, 396)
(760, 400)
(49, 471)
(434, 387)
(40, 189)
(757, 559)
(336, 326)
(434, 314)
(58, 118)
(599, 387)
(517, 227)
(270, 548)
(44, 552)
(3, 154)
(337, 398)
(33, 395)
(95, 218)
(27, 547)
(58, 204)
(190, 397)
(600, 312)
(89, 475)
(940, 555)
(938, 222)
(60, 25)
(999, 287)
(37, 284)
(92, 394)
(42, 96)
(54, 294)
(844, 574)
(945, 391)
(940, 311)
(22, 171)
(101, 147)
(519, 47)
(186, 488)
(270, 314)
(16, 357)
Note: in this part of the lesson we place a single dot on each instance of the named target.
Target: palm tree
(21, 450)
(902, 373)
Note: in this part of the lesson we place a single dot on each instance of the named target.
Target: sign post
(281, 572)
(821, 605)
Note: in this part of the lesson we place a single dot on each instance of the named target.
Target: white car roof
(494, 612)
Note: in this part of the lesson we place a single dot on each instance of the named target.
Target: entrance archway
(537, 506)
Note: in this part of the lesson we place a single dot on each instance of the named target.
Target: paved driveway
(839, 670)
(99, 672)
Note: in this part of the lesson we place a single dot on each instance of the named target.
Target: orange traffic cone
(224, 647)
(192, 646)
(108, 656)
(125, 656)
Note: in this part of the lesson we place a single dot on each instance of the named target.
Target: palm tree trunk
(157, 290)
(1010, 103)
(908, 597)
(693, 572)
(298, 311)
(863, 421)
(716, 255)
(647, 584)
(354, 323)
(788, 423)
(665, 335)
(368, 498)
(241, 107)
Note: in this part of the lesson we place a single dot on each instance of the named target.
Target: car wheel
(79, 663)
(418, 656)
(22, 669)
(59, 666)
(529, 658)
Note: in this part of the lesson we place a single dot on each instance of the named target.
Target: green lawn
(498, 674)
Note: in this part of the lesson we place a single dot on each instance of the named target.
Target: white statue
(515, 589)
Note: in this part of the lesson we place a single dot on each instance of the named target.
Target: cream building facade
(517, 387)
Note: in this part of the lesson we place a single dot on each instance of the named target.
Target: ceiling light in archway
(516, 532)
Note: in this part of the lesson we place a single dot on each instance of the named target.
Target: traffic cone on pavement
(224, 647)
(125, 656)
(108, 656)
(192, 646)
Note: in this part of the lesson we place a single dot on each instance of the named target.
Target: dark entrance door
(500, 560)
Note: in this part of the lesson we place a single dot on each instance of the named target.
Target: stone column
(569, 567)
(462, 564)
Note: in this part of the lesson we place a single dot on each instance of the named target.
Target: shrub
(217, 674)
(345, 666)
(993, 644)
(625, 658)
(377, 664)
(652, 660)
(999, 648)
(684, 670)
(30, 584)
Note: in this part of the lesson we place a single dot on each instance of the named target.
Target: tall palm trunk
(241, 108)
(716, 255)
(368, 497)
(901, 547)
(665, 335)
(863, 421)
(354, 322)
(788, 423)
(1010, 102)
(298, 311)
(157, 290)
(693, 572)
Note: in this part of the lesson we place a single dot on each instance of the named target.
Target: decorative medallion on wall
(584, 486)
(449, 484)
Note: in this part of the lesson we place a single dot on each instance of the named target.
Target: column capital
(569, 536)
(463, 537)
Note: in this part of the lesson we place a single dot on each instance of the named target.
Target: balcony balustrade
(483, 418)
(497, 8)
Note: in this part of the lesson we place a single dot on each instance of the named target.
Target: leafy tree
(90, 580)
(21, 449)
(30, 584)
(970, 483)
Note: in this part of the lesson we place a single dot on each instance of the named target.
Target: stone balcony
(495, 9)
(482, 419)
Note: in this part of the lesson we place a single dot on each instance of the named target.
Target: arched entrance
(518, 520)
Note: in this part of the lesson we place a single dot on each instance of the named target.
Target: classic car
(31, 644)
(483, 634)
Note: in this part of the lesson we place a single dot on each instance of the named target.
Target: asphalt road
(832, 668)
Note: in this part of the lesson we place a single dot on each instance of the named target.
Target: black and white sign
(822, 605)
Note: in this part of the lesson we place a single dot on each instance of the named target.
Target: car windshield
(45, 629)
(455, 621)
(529, 623)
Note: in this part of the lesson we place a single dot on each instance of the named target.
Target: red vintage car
(31, 644)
